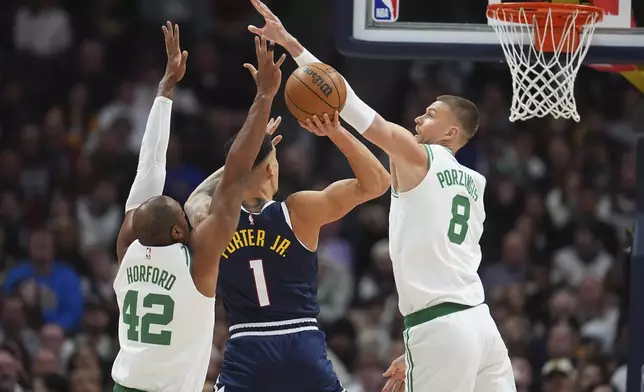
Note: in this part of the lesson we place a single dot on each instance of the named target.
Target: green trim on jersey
(430, 156)
(188, 259)
(121, 388)
(410, 363)
(448, 150)
(394, 193)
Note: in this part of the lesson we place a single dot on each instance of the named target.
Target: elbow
(378, 184)
(383, 182)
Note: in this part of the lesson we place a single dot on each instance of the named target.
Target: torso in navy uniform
(268, 285)
(265, 273)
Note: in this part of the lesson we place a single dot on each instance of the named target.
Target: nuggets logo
(385, 10)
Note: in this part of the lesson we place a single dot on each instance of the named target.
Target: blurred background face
(558, 383)
(562, 341)
(41, 247)
(13, 314)
(8, 371)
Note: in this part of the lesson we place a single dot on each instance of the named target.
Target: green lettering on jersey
(458, 225)
(460, 178)
(150, 274)
(131, 317)
(441, 179)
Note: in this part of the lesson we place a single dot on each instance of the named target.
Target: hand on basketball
(273, 28)
(176, 67)
(324, 127)
(268, 75)
(272, 127)
(396, 375)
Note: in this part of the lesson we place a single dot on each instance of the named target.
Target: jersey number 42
(139, 327)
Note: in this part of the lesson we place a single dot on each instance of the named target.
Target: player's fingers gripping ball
(314, 90)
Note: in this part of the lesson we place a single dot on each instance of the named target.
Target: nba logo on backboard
(148, 252)
(385, 10)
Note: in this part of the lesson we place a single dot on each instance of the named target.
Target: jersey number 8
(133, 321)
(458, 225)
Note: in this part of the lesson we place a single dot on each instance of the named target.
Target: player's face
(436, 124)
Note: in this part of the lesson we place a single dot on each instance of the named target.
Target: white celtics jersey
(165, 326)
(434, 233)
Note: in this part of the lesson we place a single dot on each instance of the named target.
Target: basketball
(315, 89)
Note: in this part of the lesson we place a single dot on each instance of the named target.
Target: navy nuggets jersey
(267, 283)
(265, 273)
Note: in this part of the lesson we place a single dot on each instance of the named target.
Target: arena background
(77, 79)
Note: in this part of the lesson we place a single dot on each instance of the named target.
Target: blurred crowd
(77, 79)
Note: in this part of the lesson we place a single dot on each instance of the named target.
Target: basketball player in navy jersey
(268, 272)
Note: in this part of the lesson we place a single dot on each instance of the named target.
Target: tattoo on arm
(197, 206)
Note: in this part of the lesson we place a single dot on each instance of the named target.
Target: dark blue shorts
(292, 362)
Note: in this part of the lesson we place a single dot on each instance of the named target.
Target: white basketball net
(542, 83)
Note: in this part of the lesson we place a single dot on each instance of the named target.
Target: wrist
(293, 46)
(166, 88)
(264, 96)
(338, 134)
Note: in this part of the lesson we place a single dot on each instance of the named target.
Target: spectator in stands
(513, 267)
(60, 291)
(586, 257)
(8, 373)
(99, 217)
(42, 28)
(14, 325)
(558, 375)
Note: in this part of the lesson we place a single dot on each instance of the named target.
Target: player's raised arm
(150, 172)
(395, 140)
(215, 231)
(310, 210)
(197, 207)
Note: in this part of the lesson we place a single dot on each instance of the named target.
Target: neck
(452, 149)
(255, 199)
(42, 268)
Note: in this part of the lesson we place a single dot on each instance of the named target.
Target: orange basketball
(315, 89)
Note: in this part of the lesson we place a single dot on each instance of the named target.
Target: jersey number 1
(458, 225)
(131, 318)
(260, 282)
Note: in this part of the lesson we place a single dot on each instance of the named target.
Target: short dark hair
(465, 111)
(153, 221)
(264, 150)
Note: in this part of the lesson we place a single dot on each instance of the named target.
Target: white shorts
(459, 352)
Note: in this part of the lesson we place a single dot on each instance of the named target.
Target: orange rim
(509, 12)
(549, 40)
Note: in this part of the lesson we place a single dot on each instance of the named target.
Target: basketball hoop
(544, 45)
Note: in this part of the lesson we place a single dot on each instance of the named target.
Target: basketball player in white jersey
(166, 299)
(436, 220)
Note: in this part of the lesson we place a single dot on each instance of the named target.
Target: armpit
(197, 209)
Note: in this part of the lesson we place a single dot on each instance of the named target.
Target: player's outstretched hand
(273, 28)
(322, 128)
(396, 375)
(176, 67)
(272, 127)
(268, 75)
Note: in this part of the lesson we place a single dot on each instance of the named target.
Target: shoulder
(66, 271)
(24, 268)
(478, 177)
